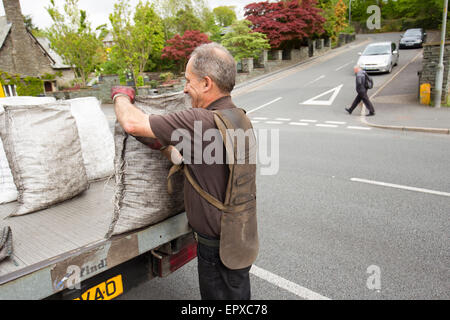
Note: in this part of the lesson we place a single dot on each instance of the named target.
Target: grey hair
(215, 61)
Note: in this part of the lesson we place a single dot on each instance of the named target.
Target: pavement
(397, 104)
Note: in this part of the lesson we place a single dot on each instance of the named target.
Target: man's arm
(132, 120)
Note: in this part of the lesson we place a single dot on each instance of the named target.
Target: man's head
(356, 68)
(210, 74)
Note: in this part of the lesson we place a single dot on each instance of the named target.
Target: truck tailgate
(47, 242)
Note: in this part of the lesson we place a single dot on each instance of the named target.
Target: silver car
(379, 57)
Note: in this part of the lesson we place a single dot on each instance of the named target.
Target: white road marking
(274, 122)
(299, 124)
(283, 119)
(335, 122)
(255, 121)
(329, 102)
(326, 125)
(290, 286)
(315, 80)
(260, 118)
(306, 120)
(358, 128)
(397, 186)
(342, 67)
(265, 105)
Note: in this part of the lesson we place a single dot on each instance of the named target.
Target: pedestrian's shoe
(370, 114)
(348, 110)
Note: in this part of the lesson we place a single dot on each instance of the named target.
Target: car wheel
(390, 68)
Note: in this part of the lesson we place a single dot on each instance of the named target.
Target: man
(361, 89)
(226, 233)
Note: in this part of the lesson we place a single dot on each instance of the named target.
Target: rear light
(165, 263)
(184, 256)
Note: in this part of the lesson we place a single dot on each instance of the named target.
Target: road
(347, 211)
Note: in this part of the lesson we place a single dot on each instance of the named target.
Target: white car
(379, 57)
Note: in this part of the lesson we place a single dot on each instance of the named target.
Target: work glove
(123, 91)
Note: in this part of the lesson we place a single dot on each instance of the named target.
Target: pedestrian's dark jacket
(361, 82)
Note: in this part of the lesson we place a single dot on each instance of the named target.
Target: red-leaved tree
(179, 48)
(285, 21)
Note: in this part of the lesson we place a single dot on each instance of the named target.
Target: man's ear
(208, 84)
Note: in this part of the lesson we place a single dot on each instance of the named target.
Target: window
(10, 90)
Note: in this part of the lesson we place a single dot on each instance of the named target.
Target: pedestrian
(362, 85)
(224, 222)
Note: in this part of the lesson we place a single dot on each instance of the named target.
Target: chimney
(24, 61)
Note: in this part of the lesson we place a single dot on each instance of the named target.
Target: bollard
(425, 93)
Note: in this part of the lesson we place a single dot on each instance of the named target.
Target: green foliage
(27, 86)
(167, 76)
(140, 81)
(186, 20)
(336, 14)
(398, 15)
(242, 42)
(225, 15)
(154, 84)
(72, 38)
(168, 10)
(210, 26)
(136, 39)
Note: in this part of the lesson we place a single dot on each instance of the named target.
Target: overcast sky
(99, 10)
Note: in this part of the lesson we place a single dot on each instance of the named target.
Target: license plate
(104, 291)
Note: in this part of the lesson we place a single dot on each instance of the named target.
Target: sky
(99, 10)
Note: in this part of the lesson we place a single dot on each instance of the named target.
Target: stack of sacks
(70, 143)
(97, 142)
(8, 190)
(44, 153)
(141, 196)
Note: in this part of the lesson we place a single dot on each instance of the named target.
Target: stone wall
(102, 91)
(274, 60)
(430, 62)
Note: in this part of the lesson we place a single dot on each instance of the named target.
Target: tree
(168, 10)
(210, 27)
(179, 48)
(242, 42)
(72, 38)
(186, 20)
(287, 21)
(225, 15)
(340, 12)
(137, 41)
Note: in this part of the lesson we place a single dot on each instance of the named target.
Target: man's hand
(123, 91)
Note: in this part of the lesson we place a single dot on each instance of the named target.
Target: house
(23, 54)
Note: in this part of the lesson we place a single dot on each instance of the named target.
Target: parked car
(413, 38)
(379, 57)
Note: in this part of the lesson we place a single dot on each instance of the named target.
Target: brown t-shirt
(203, 217)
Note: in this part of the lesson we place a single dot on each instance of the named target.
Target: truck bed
(47, 242)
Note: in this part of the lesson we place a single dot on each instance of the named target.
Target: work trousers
(217, 282)
(364, 98)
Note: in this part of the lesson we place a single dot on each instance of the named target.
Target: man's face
(194, 86)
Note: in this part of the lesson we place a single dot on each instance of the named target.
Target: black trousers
(364, 98)
(217, 282)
